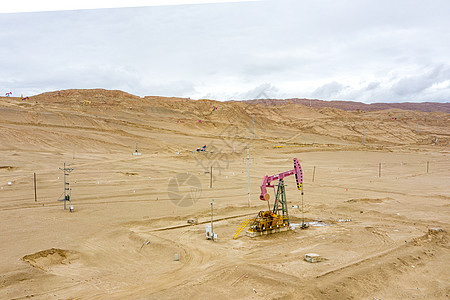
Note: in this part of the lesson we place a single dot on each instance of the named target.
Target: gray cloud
(429, 84)
(262, 91)
(372, 86)
(330, 90)
(366, 50)
(414, 84)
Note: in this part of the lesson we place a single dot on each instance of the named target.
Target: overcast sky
(361, 50)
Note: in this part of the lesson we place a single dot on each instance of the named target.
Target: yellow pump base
(269, 231)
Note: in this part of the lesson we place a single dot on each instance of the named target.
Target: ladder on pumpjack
(242, 226)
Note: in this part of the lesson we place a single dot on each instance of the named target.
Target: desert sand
(378, 204)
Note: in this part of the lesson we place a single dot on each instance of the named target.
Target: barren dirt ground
(371, 205)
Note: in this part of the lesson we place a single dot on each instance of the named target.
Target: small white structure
(71, 209)
(210, 235)
(136, 152)
(313, 257)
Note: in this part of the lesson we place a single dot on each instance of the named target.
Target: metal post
(212, 229)
(314, 173)
(417, 128)
(35, 193)
(379, 170)
(210, 180)
(65, 189)
(428, 163)
(303, 219)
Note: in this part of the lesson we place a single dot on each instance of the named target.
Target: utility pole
(67, 189)
(35, 192)
(211, 179)
(212, 228)
(314, 173)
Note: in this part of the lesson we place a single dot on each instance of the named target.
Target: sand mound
(47, 258)
(435, 236)
(7, 168)
(407, 265)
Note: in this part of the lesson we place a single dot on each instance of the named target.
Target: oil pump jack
(277, 218)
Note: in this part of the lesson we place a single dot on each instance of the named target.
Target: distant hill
(105, 121)
(353, 106)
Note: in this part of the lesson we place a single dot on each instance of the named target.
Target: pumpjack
(277, 218)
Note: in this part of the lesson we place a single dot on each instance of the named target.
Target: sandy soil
(374, 204)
